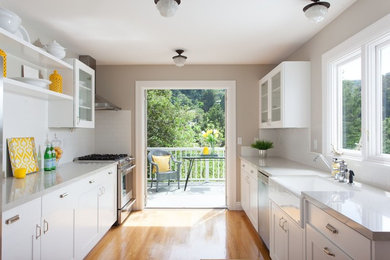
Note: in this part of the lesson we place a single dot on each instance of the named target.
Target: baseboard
(235, 206)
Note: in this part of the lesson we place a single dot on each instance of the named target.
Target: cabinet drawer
(350, 241)
(318, 247)
(249, 169)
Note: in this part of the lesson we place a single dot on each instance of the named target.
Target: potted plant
(263, 146)
(211, 137)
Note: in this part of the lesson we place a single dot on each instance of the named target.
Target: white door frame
(140, 132)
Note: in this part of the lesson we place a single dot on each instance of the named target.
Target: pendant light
(316, 11)
(167, 8)
(179, 59)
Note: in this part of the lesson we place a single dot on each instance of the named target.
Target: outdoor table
(199, 157)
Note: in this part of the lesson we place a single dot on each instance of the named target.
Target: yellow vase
(4, 55)
(56, 82)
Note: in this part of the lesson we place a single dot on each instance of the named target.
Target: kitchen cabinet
(285, 96)
(286, 235)
(84, 95)
(95, 212)
(320, 248)
(22, 231)
(107, 197)
(249, 193)
(57, 223)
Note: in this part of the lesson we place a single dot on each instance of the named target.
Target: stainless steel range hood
(103, 104)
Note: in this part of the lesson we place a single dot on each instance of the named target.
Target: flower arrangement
(211, 137)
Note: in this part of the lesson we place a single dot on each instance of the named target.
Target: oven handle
(127, 170)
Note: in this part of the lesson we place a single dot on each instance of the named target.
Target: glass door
(264, 102)
(85, 93)
(276, 114)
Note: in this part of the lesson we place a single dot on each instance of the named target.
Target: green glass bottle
(53, 158)
(47, 159)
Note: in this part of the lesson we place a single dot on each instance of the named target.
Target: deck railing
(202, 170)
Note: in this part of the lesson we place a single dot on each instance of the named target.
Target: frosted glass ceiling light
(167, 8)
(316, 11)
(179, 59)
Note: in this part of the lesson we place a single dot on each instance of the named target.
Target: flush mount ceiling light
(167, 8)
(316, 11)
(179, 59)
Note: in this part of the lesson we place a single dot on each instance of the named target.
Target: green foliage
(352, 109)
(176, 118)
(263, 145)
(386, 112)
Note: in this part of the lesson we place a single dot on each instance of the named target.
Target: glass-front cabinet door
(276, 114)
(84, 93)
(264, 102)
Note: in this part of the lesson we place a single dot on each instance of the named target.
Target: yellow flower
(209, 132)
(205, 135)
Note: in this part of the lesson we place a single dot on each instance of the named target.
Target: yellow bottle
(56, 82)
(4, 55)
(205, 151)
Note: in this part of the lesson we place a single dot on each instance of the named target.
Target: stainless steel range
(126, 168)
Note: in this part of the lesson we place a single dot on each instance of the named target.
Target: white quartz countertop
(275, 166)
(19, 191)
(362, 208)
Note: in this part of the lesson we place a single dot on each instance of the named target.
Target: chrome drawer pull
(45, 227)
(331, 228)
(327, 251)
(64, 195)
(12, 220)
(38, 231)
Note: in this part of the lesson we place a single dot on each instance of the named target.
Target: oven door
(125, 185)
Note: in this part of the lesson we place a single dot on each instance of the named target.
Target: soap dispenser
(350, 177)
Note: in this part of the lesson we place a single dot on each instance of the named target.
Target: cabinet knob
(331, 228)
(109, 172)
(12, 220)
(91, 181)
(327, 251)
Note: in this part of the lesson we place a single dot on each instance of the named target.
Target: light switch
(239, 140)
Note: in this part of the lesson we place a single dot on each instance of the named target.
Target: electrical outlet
(239, 140)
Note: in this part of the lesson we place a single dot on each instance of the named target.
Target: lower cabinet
(319, 247)
(57, 223)
(21, 231)
(286, 235)
(63, 224)
(249, 193)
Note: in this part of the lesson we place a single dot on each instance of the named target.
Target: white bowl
(58, 53)
(9, 20)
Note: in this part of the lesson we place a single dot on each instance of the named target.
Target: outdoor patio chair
(164, 175)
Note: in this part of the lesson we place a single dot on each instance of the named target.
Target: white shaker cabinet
(285, 96)
(107, 194)
(286, 235)
(57, 223)
(249, 193)
(21, 231)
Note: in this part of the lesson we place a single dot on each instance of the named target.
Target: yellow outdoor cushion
(162, 162)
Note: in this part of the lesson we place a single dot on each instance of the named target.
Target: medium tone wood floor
(182, 234)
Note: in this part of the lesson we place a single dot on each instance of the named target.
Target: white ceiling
(210, 31)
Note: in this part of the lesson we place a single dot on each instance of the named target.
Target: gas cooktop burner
(102, 157)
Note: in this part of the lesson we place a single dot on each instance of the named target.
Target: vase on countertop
(263, 153)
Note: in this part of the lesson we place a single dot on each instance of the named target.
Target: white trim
(231, 156)
(366, 42)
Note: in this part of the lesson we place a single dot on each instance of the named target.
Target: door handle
(38, 231)
(64, 195)
(45, 227)
(327, 251)
(331, 228)
(12, 220)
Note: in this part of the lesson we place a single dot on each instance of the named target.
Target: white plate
(21, 33)
(42, 83)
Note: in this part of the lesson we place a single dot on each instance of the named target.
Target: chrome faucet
(323, 160)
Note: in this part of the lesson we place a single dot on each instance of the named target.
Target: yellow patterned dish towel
(22, 154)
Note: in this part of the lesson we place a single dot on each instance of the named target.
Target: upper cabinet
(84, 95)
(285, 96)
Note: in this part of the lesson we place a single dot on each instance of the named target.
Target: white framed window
(356, 95)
